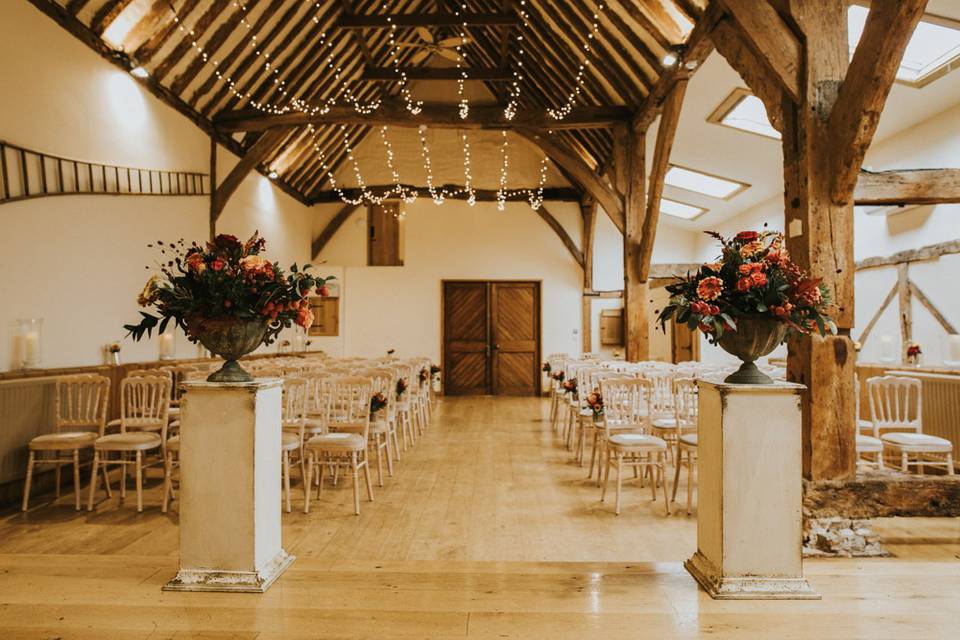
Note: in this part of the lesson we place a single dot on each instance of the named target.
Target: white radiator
(26, 410)
(940, 406)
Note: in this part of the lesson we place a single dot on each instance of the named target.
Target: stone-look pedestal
(749, 521)
(230, 487)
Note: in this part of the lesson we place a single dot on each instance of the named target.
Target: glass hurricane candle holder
(167, 346)
(29, 334)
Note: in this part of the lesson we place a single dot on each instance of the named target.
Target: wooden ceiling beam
(393, 74)
(922, 254)
(864, 90)
(606, 196)
(253, 157)
(199, 28)
(145, 52)
(771, 39)
(666, 133)
(908, 187)
(694, 51)
(331, 229)
(437, 115)
(106, 14)
(405, 20)
(565, 238)
(643, 18)
(550, 194)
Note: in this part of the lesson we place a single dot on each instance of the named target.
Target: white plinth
(230, 487)
(749, 516)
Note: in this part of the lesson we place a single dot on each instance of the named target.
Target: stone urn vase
(231, 339)
(756, 336)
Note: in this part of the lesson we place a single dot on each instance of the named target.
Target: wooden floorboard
(487, 531)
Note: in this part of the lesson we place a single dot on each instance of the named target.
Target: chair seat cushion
(664, 423)
(637, 440)
(689, 439)
(135, 441)
(289, 441)
(869, 444)
(917, 442)
(63, 440)
(173, 444)
(337, 442)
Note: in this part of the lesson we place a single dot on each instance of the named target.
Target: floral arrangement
(753, 275)
(595, 402)
(377, 402)
(113, 347)
(434, 371)
(401, 387)
(913, 350)
(424, 375)
(225, 279)
(546, 368)
(557, 375)
(570, 386)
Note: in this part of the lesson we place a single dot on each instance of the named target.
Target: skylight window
(933, 49)
(706, 184)
(744, 111)
(680, 209)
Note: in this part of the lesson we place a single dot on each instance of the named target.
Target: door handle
(496, 347)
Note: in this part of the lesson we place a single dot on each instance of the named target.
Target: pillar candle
(886, 348)
(953, 347)
(31, 347)
(166, 346)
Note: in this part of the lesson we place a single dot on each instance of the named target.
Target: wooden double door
(491, 337)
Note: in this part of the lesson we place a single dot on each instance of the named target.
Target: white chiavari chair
(382, 437)
(80, 414)
(867, 446)
(896, 412)
(293, 421)
(144, 407)
(346, 445)
(404, 410)
(625, 420)
(686, 411)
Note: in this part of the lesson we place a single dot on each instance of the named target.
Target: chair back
(625, 402)
(894, 404)
(350, 404)
(178, 373)
(294, 409)
(686, 407)
(383, 380)
(144, 403)
(81, 403)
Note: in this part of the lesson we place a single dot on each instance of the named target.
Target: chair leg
(379, 462)
(106, 480)
(167, 478)
(904, 463)
(654, 481)
(662, 472)
(325, 460)
(123, 475)
(76, 479)
(139, 482)
(689, 481)
(676, 474)
(307, 483)
(93, 480)
(366, 476)
(286, 477)
(389, 456)
(356, 482)
(950, 470)
(619, 482)
(26, 484)
(57, 478)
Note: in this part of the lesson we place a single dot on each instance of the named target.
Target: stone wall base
(840, 537)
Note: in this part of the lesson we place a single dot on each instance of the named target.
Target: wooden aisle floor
(487, 531)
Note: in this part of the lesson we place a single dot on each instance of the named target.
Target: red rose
(218, 264)
(747, 236)
(743, 284)
(758, 278)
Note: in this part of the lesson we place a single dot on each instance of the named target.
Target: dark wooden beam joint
(882, 496)
(907, 187)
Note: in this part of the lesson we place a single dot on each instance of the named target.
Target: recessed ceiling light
(139, 72)
(680, 209)
(704, 183)
(273, 175)
(669, 60)
(933, 47)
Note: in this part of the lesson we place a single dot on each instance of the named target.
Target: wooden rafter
(856, 113)
(106, 14)
(433, 115)
(669, 120)
(636, 332)
(907, 186)
(775, 45)
(393, 74)
(588, 215)
(438, 19)
(254, 156)
(331, 229)
(928, 252)
(927, 304)
(199, 28)
(606, 196)
(565, 238)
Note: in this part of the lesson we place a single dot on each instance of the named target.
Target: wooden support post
(213, 187)
(588, 212)
(635, 295)
(905, 306)
(820, 239)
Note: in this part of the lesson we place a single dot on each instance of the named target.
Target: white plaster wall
(78, 261)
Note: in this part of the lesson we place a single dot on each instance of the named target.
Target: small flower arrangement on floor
(378, 402)
(570, 386)
(434, 371)
(424, 375)
(913, 353)
(595, 402)
(753, 276)
(557, 375)
(546, 368)
(401, 387)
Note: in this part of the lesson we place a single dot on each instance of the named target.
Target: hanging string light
(514, 88)
(413, 106)
(534, 196)
(564, 111)
(464, 108)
